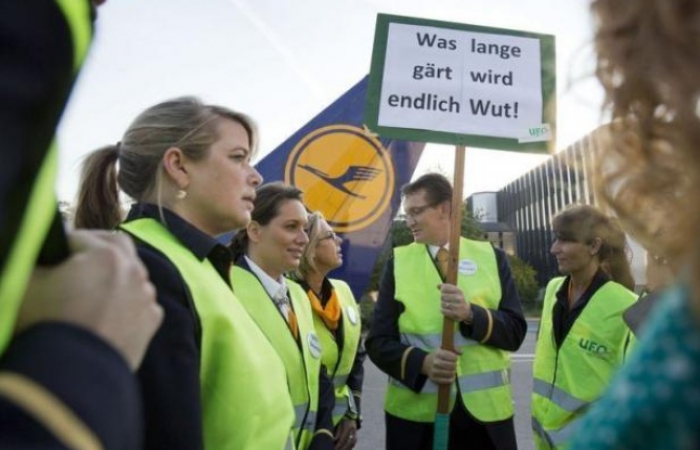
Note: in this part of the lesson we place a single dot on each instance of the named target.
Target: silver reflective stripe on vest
(428, 388)
(467, 383)
(309, 424)
(554, 438)
(539, 431)
(431, 341)
(343, 405)
(558, 396)
(340, 380)
(340, 408)
(351, 401)
(481, 381)
(289, 445)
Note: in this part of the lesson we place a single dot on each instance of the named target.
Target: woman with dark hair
(271, 245)
(210, 378)
(582, 338)
(337, 319)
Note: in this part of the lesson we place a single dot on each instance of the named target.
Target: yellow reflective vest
(567, 379)
(482, 371)
(245, 401)
(302, 360)
(41, 206)
(339, 363)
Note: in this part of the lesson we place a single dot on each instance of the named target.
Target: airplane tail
(349, 174)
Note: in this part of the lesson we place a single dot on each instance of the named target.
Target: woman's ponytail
(98, 195)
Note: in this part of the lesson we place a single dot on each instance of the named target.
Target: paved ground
(371, 436)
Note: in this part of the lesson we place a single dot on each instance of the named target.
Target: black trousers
(466, 433)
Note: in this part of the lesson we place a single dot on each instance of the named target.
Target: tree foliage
(524, 276)
(471, 229)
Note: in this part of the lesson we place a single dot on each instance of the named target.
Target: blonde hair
(649, 66)
(313, 231)
(185, 123)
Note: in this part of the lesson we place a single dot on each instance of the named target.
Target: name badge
(314, 345)
(352, 314)
(467, 267)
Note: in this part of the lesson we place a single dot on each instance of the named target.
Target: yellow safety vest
(41, 206)
(339, 364)
(482, 371)
(568, 379)
(245, 401)
(303, 365)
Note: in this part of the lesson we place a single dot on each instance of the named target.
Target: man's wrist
(470, 316)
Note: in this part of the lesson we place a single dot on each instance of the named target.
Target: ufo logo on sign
(345, 173)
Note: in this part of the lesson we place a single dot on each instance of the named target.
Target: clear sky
(283, 61)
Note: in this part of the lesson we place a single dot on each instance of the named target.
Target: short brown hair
(437, 188)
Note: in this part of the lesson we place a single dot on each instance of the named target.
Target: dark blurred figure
(76, 311)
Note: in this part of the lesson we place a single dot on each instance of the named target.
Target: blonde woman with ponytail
(210, 378)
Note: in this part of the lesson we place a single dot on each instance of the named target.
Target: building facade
(528, 204)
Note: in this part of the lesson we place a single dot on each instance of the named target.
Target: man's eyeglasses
(418, 210)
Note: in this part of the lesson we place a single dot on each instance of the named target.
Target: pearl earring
(181, 194)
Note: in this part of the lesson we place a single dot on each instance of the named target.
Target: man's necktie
(284, 304)
(442, 258)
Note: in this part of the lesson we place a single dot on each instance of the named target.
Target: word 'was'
(431, 40)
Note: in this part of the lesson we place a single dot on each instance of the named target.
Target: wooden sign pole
(442, 419)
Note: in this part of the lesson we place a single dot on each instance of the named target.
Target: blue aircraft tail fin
(349, 174)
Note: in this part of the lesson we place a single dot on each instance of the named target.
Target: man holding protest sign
(455, 84)
(404, 340)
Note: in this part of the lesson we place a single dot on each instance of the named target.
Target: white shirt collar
(275, 289)
(433, 249)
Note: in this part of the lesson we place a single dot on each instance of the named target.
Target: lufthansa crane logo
(345, 173)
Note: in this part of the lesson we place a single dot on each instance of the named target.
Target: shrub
(367, 302)
(526, 283)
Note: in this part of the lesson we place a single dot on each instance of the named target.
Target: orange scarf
(331, 313)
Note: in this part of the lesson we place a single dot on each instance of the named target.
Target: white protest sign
(460, 81)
